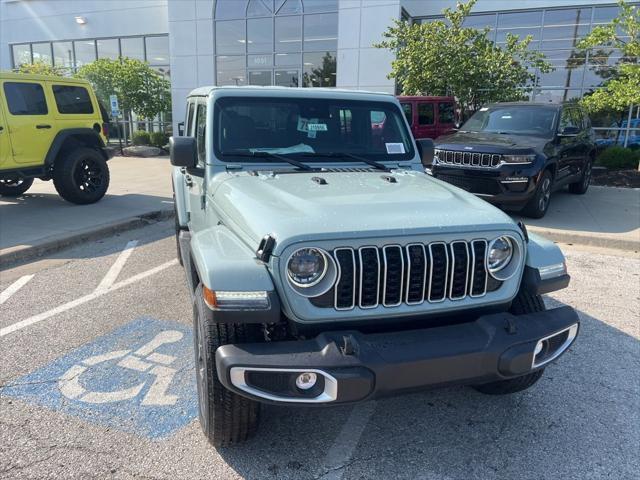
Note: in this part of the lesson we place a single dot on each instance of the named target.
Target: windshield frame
(547, 134)
(225, 158)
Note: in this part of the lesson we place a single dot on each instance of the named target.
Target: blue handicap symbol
(138, 378)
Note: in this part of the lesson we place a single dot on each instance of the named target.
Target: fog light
(538, 349)
(306, 380)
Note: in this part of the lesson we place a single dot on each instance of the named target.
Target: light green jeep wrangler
(327, 268)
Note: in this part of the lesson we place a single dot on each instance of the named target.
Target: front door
(426, 124)
(5, 142)
(287, 78)
(260, 77)
(30, 119)
(196, 177)
(568, 146)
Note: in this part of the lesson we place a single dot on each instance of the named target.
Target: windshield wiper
(291, 161)
(373, 163)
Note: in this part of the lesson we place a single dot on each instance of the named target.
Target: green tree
(443, 57)
(621, 88)
(324, 76)
(140, 89)
(41, 68)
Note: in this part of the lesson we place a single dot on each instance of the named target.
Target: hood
(294, 207)
(492, 142)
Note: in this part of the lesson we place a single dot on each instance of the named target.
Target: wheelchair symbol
(145, 359)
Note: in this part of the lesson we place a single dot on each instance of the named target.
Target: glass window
(288, 34)
(157, 50)
(605, 14)
(569, 16)
(259, 8)
(132, 48)
(63, 54)
(321, 32)
(260, 77)
(21, 54)
(72, 99)
(407, 108)
(520, 32)
(319, 70)
(481, 21)
(425, 114)
(191, 109)
(230, 70)
(228, 9)
(313, 6)
(288, 7)
(515, 120)
(288, 59)
(201, 132)
(256, 61)
(562, 77)
(287, 78)
(446, 112)
(230, 37)
(108, 48)
(85, 52)
(520, 19)
(260, 35)
(568, 119)
(25, 98)
(42, 52)
(307, 128)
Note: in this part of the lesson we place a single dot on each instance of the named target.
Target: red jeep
(430, 117)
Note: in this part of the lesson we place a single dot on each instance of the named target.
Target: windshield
(515, 120)
(312, 129)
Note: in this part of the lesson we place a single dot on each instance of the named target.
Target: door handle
(41, 126)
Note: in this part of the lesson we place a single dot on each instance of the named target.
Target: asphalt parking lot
(97, 381)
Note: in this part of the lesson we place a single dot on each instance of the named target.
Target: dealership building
(306, 43)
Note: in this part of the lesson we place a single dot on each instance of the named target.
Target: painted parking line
(111, 276)
(138, 378)
(13, 288)
(79, 301)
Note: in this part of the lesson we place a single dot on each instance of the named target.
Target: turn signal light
(225, 300)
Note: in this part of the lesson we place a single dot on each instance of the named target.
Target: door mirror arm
(426, 149)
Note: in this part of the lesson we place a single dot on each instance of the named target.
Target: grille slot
(471, 159)
(410, 274)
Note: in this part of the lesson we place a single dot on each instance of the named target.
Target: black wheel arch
(74, 137)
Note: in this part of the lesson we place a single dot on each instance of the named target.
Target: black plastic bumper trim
(494, 347)
(531, 281)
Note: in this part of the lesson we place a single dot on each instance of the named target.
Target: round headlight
(307, 267)
(500, 253)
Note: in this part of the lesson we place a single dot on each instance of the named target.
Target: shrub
(141, 138)
(618, 158)
(159, 139)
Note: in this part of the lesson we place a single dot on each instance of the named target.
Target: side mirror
(183, 152)
(569, 132)
(426, 150)
(181, 129)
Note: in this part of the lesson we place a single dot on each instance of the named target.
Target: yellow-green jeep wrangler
(52, 128)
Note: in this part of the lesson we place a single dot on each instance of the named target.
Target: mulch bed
(616, 178)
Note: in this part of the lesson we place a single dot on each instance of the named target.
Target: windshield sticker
(317, 127)
(394, 147)
(303, 126)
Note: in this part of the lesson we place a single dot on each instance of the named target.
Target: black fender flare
(94, 139)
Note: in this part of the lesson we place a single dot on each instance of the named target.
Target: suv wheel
(82, 176)
(525, 302)
(14, 187)
(581, 186)
(538, 205)
(225, 417)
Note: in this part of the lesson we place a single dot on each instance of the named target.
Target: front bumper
(352, 366)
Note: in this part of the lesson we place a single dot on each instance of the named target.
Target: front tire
(525, 302)
(82, 176)
(226, 418)
(14, 187)
(538, 205)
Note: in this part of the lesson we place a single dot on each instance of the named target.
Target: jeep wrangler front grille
(412, 274)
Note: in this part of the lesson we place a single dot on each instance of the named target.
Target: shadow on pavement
(580, 421)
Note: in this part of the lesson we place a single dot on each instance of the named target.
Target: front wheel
(538, 205)
(81, 176)
(225, 417)
(14, 187)
(525, 302)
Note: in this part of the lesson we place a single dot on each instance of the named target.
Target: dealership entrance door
(281, 78)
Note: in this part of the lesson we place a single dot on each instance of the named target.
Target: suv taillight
(105, 129)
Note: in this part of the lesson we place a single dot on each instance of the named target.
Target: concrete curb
(586, 239)
(19, 254)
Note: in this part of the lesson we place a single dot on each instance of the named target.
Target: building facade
(306, 43)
